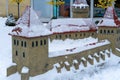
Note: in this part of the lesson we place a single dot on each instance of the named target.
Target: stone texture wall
(3, 8)
(11, 70)
(80, 12)
(73, 35)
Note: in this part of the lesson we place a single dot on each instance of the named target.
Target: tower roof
(110, 18)
(29, 25)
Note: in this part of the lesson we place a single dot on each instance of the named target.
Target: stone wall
(80, 12)
(11, 70)
(73, 35)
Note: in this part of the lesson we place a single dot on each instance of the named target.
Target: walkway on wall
(84, 62)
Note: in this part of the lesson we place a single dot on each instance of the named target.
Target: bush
(10, 20)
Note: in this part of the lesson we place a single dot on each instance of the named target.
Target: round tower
(80, 9)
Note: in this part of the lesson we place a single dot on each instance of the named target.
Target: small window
(105, 31)
(44, 42)
(69, 35)
(60, 36)
(25, 45)
(66, 36)
(92, 34)
(75, 35)
(108, 31)
(84, 34)
(36, 43)
(32, 44)
(17, 42)
(14, 42)
(16, 53)
(80, 34)
(100, 31)
(22, 43)
(23, 54)
(56, 36)
(112, 31)
(41, 43)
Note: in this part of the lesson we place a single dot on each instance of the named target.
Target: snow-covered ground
(109, 70)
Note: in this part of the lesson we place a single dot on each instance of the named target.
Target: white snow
(67, 63)
(109, 70)
(25, 69)
(69, 46)
(57, 65)
(75, 61)
(80, 5)
(30, 25)
(71, 24)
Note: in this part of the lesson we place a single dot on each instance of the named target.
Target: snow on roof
(71, 25)
(67, 63)
(67, 47)
(75, 61)
(25, 70)
(29, 25)
(110, 18)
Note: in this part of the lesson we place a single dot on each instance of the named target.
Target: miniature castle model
(80, 9)
(31, 41)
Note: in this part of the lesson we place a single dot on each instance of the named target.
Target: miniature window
(60, 36)
(66, 36)
(112, 31)
(92, 34)
(75, 35)
(41, 43)
(105, 31)
(36, 43)
(17, 42)
(84, 34)
(32, 44)
(100, 31)
(69, 35)
(56, 36)
(80, 34)
(108, 31)
(22, 43)
(44, 42)
(25, 44)
(16, 53)
(14, 42)
(23, 54)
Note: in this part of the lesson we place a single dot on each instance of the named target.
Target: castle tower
(30, 43)
(109, 28)
(80, 9)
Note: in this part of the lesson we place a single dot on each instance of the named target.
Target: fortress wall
(78, 56)
(73, 35)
